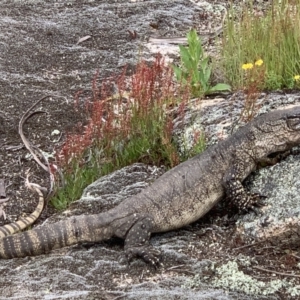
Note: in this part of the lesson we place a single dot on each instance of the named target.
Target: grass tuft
(131, 125)
(272, 36)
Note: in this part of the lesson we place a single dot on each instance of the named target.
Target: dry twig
(32, 149)
(2, 204)
(247, 246)
(275, 272)
(27, 144)
(3, 199)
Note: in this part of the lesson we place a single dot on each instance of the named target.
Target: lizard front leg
(235, 191)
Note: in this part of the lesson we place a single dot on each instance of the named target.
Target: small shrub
(195, 70)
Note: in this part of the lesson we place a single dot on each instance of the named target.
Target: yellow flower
(259, 62)
(247, 66)
(297, 77)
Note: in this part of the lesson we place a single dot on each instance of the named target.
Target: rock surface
(56, 47)
(192, 270)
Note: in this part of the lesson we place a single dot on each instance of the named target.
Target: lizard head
(278, 130)
(292, 118)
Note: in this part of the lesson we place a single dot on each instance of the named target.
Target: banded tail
(23, 223)
(42, 239)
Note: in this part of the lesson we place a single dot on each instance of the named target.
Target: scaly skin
(23, 223)
(180, 196)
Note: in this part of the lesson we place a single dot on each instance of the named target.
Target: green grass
(273, 36)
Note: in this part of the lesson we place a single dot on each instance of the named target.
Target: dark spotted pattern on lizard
(180, 196)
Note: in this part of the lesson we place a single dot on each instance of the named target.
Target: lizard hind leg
(137, 242)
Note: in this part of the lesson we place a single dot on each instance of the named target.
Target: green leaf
(195, 47)
(186, 58)
(178, 72)
(194, 75)
(204, 62)
(220, 87)
(180, 75)
(201, 79)
(207, 74)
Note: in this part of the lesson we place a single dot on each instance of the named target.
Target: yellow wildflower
(259, 62)
(247, 66)
(297, 77)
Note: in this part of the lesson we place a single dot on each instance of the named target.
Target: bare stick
(2, 188)
(28, 114)
(247, 246)
(25, 117)
(275, 272)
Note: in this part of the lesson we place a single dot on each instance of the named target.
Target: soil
(41, 54)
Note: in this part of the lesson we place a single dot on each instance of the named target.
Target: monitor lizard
(177, 198)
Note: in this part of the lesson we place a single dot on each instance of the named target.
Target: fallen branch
(2, 204)
(183, 40)
(275, 272)
(249, 245)
(24, 118)
(33, 149)
(2, 189)
(3, 199)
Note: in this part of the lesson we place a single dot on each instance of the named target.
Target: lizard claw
(148, 254)
(256, 199)
(253, 202)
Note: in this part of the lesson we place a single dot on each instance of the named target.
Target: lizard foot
(148, 254)
(252, 201)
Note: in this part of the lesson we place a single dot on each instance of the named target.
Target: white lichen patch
(230, 277)
(188, 138)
